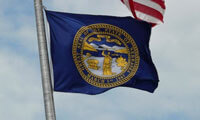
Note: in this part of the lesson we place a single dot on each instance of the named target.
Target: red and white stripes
(151, 11)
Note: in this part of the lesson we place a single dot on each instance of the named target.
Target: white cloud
(17, 28)
(23, 36)
(21, 94)
(103, 7)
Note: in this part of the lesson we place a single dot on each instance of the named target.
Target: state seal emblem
(105, 55)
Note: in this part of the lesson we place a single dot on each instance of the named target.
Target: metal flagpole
(44, 62)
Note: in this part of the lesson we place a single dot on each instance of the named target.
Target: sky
(175, 47)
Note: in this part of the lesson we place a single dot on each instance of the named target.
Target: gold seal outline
(129, 38)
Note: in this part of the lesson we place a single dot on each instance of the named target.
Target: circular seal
(105, 55)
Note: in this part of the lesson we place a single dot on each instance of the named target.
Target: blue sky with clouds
(175, 47)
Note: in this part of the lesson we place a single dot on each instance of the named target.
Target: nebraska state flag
(92, 54)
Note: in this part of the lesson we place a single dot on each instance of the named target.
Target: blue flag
(92, 54)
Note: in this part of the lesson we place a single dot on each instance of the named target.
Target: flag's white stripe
(151, 4)
(127, 4)
(147, 17)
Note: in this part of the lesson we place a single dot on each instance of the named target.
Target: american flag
(151, 11)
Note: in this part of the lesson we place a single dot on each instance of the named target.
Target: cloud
(103, 7)
(21, 94)
(15, 28)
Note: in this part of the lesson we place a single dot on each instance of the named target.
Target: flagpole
(44, 62)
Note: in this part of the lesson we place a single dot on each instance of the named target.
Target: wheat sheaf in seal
(105, 55)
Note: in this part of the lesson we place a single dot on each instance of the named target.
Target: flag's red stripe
(147, 10)
(132, 6)
(160, 2)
